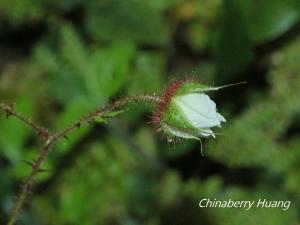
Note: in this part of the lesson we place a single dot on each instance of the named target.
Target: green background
(61, 59)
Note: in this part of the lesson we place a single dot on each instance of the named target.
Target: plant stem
(26, 187)
(109, 108)
(9, 111)
(52, 138)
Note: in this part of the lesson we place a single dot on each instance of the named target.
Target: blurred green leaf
(128, 20)
(268, 19)
(77, 72)
(111, 170)
(148, 73)
(18, 11)
(233, 48)
(254, 132)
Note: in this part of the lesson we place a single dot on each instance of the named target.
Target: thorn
(43, 133)
(11, 105)
(78, 125)
(66, 137)
(44, 171)
(8, 114)
(9, 109)
(32, 163)
(48, 141)
(159, 129)
(28, 163)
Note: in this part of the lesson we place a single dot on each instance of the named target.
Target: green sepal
(193, 87)
(175, 118)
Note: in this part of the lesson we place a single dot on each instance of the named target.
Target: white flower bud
(186, 111)
(200, 112)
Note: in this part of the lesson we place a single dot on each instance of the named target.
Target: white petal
(199, 109)
(221, 118)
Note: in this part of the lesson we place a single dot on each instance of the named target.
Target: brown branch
(53, 138)
(8, 109)
(26, 187)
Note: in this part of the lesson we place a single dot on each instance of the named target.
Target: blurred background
(62, 58)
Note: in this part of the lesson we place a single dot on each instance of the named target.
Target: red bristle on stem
(166, 98)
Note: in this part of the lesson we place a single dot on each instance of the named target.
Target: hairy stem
(9, 111)
(52, 138)
(109, 108)
(26, 187)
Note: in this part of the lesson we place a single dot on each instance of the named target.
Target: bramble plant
(183, 110)
(137, 160)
